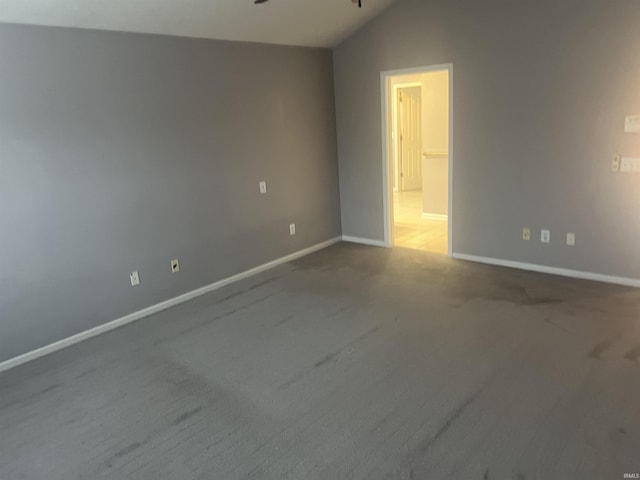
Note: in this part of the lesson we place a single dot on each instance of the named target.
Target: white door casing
(388, 103)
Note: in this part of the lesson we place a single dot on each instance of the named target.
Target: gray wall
(541, 90)
(121, 152)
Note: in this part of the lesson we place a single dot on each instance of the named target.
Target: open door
(410, 138)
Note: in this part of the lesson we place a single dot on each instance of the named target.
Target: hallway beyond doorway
(411, 230)
(417, 161)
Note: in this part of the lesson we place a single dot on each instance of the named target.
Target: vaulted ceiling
(314, 23)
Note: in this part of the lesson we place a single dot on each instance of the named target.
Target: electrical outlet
(526, 233)
(263, 187)
(135, 278)
(615, 164)
(292, 229)
(571, 239)
(545, 236)
(175, 265)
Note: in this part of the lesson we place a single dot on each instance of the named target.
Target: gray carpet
(350, 363)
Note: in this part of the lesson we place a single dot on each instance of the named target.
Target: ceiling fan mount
(258, 2)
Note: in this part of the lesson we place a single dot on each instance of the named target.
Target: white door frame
(387, 182)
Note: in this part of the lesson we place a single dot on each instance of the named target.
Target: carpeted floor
(351, 363)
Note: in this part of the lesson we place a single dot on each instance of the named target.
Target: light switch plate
(630, 165)
(632, 124)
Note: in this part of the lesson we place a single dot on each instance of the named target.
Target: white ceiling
(314, 23)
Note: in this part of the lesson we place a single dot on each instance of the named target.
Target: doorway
(417, 158)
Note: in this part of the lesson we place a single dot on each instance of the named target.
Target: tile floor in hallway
(413, 231)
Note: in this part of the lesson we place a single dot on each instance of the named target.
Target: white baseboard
(145, 312)
(597, 277)
(364, 241)
(435, 216)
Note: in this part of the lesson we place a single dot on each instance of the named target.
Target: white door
(410, 134)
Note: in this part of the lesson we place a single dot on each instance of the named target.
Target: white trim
(396, 86)
(364, 241)
(385, 101)
(145, 312)
(450, 158)
(441, 217)
(597, 277)
(386, 181)
(435, 154)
